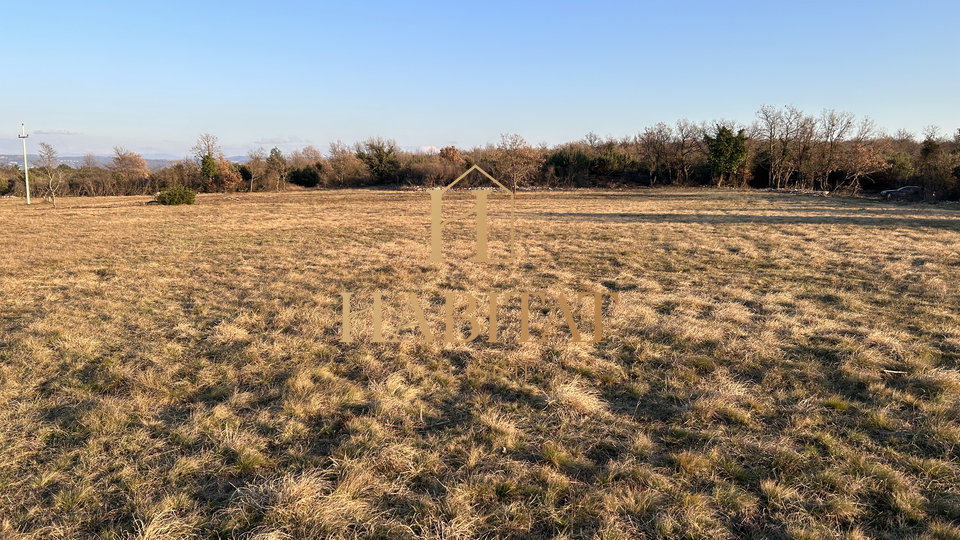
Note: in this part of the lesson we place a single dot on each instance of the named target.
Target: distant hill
(7, 160)
(153, 163)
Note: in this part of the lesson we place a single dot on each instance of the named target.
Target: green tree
(176, 194)
(209, 169)
(937, 164)
(277, 166)
(208, 155)
(380, 155)
(901, 166)
(727, 152)
(570, 163)
(307, 177)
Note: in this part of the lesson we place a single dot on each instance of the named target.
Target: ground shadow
(837, 218)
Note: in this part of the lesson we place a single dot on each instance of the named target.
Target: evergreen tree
(209, 169)
(727, 152)
(277, 166)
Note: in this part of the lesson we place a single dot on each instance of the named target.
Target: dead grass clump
(307, 505)
(165, 526)
(575, 396)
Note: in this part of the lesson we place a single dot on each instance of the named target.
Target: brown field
(776, 367)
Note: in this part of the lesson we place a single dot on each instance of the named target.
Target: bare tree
(257, 166)
(685, 146)
(90, 178)
(207, 145)
(769, 121)
(787, 134)
(833, 128)
(866, 130)
(516, 160)
(864, 155)
(904, 137)
(655, 148)
(312, 155)
(593, 140)
(298, 159)
(931, 133)
(50, 165)
(343, 164)
(804, 144)
(90, 160)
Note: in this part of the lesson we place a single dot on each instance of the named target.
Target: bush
(307, 177)
(176, 194)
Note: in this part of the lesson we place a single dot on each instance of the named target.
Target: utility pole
(26, 166)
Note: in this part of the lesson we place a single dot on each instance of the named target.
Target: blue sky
(152, 76)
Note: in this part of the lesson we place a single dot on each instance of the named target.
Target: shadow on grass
(838, 218)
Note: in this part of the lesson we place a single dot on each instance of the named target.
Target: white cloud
(282, 140)
(56, 132)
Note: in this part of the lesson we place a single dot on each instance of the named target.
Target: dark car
(906, 193)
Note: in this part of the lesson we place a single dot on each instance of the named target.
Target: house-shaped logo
(480, 210)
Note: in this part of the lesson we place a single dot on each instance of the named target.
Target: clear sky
(151, 76)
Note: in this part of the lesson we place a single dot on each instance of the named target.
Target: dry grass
(776, 367)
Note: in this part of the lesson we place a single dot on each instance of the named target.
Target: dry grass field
(776, 367)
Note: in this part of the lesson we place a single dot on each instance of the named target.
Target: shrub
(307, 177)
(176, 194)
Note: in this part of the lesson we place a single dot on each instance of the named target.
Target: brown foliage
(228, 177)
(452, 154)
(859, 160)
(129, 165)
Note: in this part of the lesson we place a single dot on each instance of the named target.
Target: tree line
(783, 148)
